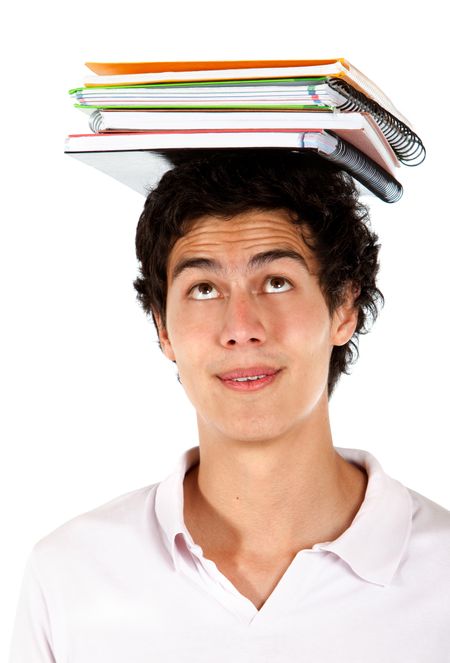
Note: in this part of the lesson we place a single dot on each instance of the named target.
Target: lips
(250, 372)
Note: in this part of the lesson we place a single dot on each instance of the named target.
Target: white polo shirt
(125, 583)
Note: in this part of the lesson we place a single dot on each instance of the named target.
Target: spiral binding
(96, 122)
(406, 144)
(364, 169)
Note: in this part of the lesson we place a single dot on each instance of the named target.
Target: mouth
(253, 382)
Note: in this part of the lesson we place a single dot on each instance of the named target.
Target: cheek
(190, 335)
(306, 324)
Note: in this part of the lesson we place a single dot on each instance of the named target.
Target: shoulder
(430, 529)
(124, 518)
(428, 515)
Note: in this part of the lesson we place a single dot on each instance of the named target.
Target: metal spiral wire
(405, 143)
(366, 171)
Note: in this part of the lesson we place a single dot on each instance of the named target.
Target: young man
(267, 543)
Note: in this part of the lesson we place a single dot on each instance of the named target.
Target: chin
(254, 430)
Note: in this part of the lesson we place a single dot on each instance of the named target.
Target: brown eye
(204, 289)
(278, 282)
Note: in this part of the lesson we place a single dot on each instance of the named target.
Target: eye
(203, 288)
(277, 280)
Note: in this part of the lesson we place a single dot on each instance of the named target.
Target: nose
(242, 322)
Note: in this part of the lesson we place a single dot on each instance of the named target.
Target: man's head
(229, 205)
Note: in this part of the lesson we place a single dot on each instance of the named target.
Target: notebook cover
(124, 68)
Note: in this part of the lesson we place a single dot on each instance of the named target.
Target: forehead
(233, 241)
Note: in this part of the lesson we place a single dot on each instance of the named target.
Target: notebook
(358, 129)
(118, 154)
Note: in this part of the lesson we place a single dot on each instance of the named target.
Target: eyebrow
(256, 261)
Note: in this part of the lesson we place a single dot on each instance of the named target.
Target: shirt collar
(169, 503)
(377, 538)
(372, 546)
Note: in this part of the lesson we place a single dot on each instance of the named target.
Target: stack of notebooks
(141, 116)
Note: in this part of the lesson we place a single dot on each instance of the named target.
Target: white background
(90, 407)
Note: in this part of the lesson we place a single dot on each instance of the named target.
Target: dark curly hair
(321, 198)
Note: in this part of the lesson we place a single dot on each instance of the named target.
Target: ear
(345, 317)
(163, 337)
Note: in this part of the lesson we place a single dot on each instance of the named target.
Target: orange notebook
(112, 68)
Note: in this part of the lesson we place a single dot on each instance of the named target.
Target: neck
(297, 483)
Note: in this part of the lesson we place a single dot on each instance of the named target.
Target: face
(238, 313)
